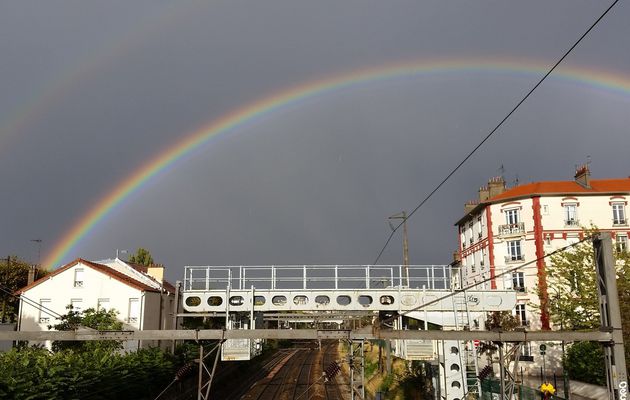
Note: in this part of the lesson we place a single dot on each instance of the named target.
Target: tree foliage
(36, 374)
(574, 299)
(142, 257)
(585, 362)
(102, 320)
(13, 276)
(498, 320)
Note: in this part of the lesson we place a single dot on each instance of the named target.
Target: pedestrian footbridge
(338, 288)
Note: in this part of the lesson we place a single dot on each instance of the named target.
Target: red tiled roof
(99, 267)
(549, 188)
(598, 186)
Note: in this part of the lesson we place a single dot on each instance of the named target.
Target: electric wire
(469, 287)
(489, 135)
(30, 302)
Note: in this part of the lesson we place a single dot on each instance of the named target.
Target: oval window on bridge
(300, 300)
(322, 300)
(387, 300)
(365, 300)
(456, 384)
(259, 300)
(193, 301)
(343, 300)
(237, 300)
(454, 367)
(215, 301)
(279, 300)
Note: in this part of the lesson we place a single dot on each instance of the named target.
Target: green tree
(498, 320)
(142, 257)
(101, 320)
(13, 276)
(573, 293)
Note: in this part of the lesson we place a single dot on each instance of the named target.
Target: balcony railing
(514, 258)
(620, 222)
(512, 229)
(571, 222)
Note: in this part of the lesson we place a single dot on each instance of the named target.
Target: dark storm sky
(89, 91)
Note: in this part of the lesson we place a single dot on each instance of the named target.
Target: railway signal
(331, 371)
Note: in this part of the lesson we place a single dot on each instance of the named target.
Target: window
(619, 214)
(518, 281)
(102, 304)
(44, 306)
(78, 277)
(134, 311)
(621, 243)
(77, 305)
(519, 312)
(545, 209)
(547, 240)
(514, 251)
(511, 216)
(526, 349)
(570, 215)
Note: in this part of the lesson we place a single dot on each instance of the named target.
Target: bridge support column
(356, 361)
(203, 389)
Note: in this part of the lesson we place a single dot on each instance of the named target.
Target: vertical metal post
(178, 285)
(200, 381)
(367, 276)
(501, 371)
(336, 277)
(610, 314)
(304, 277)
(251, 320)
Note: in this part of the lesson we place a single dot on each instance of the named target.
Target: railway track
(333, 388)
(299, 375)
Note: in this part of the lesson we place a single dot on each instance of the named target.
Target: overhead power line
(489, 135)
(30, 302)
(474, 285)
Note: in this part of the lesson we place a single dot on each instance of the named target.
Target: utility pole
(610, 315)
(403, 216)
(6, 279)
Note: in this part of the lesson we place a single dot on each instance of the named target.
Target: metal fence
(491, 390)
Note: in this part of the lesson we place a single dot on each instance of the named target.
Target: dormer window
(78, 277)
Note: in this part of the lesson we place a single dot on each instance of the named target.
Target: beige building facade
(511, 227)
(142, 299)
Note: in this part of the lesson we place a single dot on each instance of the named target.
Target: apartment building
(508, 227)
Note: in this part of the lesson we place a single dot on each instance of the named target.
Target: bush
(585, 363)
(35, 373)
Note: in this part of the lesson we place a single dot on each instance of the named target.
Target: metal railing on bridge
(307, 277)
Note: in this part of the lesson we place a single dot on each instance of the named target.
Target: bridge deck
(333, 288)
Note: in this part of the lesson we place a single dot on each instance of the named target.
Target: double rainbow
(596, 79)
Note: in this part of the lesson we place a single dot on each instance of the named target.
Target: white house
(508, 227)
(139, 294)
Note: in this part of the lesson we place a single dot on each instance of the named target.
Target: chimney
(31, 274)
(470, 205)
(484, 193)
(156, 271)
(583, 176)
(496, 186)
